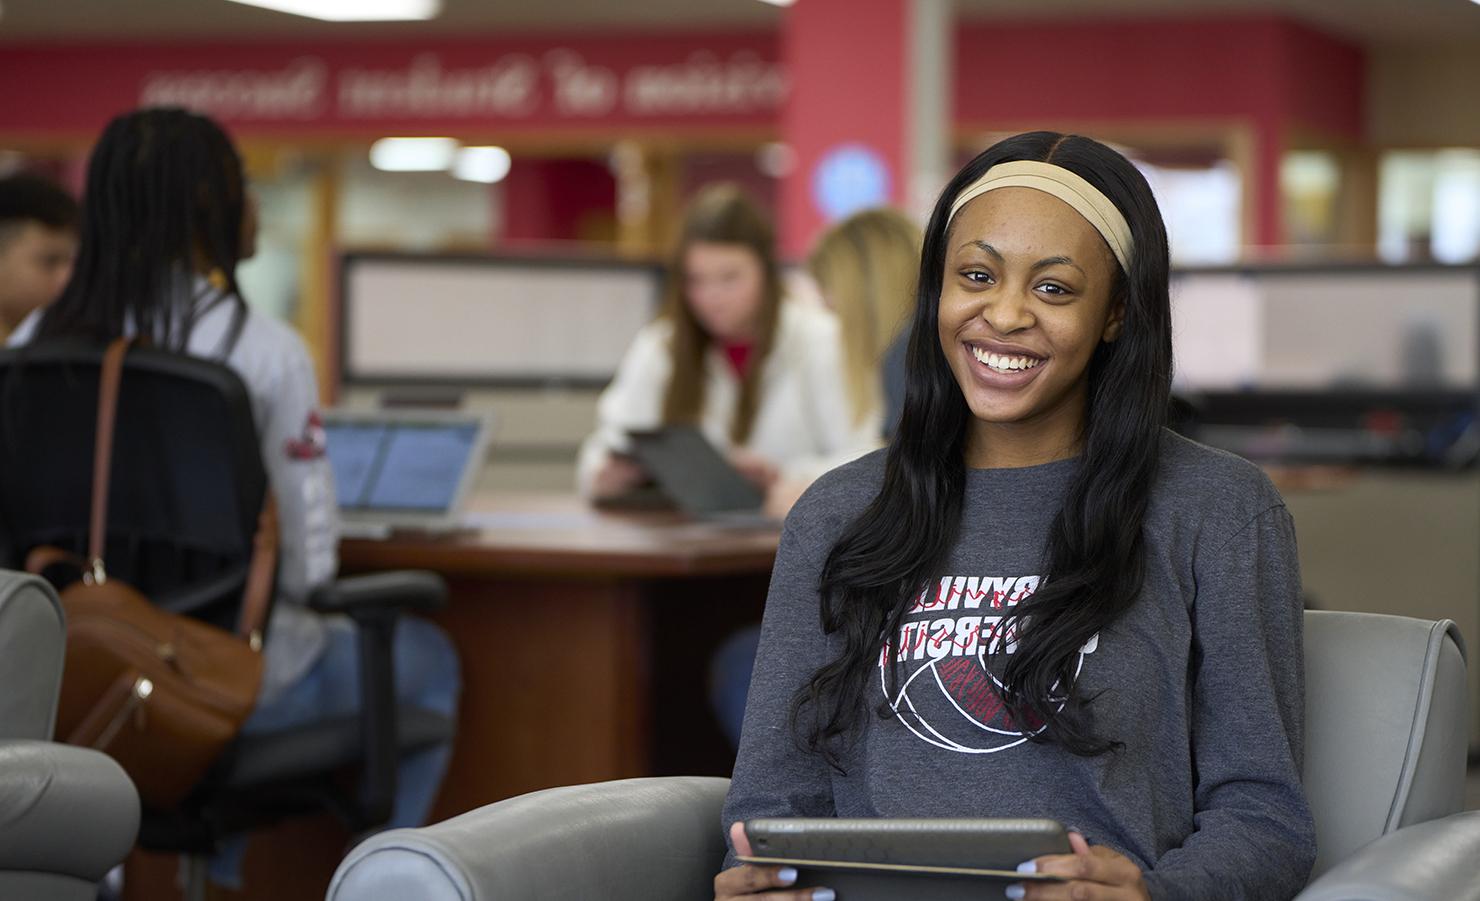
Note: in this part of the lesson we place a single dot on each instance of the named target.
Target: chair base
(268, 778)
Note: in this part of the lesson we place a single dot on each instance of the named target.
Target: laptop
(403, 469)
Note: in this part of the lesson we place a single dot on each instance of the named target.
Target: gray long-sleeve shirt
(1202, 680)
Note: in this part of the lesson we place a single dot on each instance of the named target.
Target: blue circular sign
(849, 178)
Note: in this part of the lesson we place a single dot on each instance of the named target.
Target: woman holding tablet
(1038, 602)
(760, 376)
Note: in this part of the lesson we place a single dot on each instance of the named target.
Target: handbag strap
(108, 382)
(260, 572)
(257, 591)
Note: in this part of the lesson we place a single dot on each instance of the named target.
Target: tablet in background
(694, 475)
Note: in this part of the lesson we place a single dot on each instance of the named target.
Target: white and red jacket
(804, 423)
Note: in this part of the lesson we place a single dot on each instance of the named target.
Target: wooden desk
(552, 534)
(585, 639)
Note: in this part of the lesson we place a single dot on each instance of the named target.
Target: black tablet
(694, 473)
(878, 859)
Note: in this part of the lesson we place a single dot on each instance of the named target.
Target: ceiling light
(790, 2)
(413, 154)
(353, 10)
(485, 164)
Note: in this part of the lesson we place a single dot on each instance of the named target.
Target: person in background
(761, 377)
(38, 243)
(167, 218)
(892, 371)
(865, 268)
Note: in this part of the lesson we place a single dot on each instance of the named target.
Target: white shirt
(275, 366)
(803, 424)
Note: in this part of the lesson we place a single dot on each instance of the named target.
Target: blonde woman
(865, 269)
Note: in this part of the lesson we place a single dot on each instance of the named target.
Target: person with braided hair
(167, 217)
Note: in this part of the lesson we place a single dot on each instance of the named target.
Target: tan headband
(1084, 197)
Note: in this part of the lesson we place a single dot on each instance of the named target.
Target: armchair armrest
(381, 592)
(64, 810)
(631, 840)
(1432, 861)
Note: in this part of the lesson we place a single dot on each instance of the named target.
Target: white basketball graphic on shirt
(953, 701)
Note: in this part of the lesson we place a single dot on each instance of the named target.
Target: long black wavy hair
(165, 199)
(1095, 552)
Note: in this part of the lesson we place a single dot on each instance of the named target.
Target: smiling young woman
(1020, 319)
(1037, 601)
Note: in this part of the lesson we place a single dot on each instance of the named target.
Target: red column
(1269, 208)
(844, 118)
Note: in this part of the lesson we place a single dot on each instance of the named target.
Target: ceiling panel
(81, 19)
(1372, 22)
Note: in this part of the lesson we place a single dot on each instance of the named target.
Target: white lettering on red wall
(558, 83)
(505, 88)
(743, 83)
(294, 92)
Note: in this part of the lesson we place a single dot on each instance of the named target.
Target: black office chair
(187, 486)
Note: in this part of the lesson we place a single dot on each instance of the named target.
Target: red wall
(1158, 69)
(546, 200)
(844, 62)
(1270, 73)
(1325, 83)
(560, 84)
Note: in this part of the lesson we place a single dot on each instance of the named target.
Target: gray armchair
(1386, 727)
(67, 815)
(1387, 721)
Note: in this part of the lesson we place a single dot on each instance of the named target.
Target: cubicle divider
(490, 321)
(532, 339)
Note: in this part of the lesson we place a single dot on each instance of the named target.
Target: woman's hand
(754, 467)
(1093, 873)
(782, 496)
(748, 881)
(618, 475)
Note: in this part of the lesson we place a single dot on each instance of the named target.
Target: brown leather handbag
(163, 694)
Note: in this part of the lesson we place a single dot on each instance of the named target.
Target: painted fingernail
(1016, 892)
(824, 894)
(786, 875)
(1028, 866)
